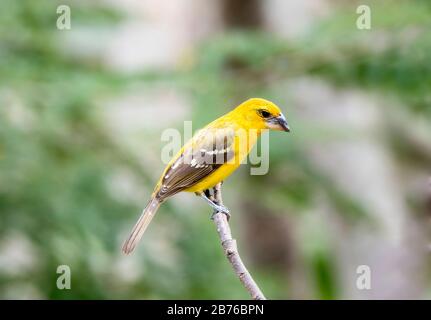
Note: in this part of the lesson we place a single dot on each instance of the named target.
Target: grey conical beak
(281, 120)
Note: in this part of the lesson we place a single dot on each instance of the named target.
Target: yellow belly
(242, 147)
(228, 168)
(217, 176)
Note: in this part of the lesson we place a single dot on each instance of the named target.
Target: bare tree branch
(231, 250)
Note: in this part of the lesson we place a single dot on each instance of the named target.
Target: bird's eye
(264, 113)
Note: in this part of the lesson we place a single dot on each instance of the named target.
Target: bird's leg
(215, 198)
(212, 198)
(218, 208)
(208, 194)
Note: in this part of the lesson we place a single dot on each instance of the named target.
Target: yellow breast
(244, 142)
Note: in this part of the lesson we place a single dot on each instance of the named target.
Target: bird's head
(263, 114)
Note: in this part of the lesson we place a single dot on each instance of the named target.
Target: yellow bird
(210, 157)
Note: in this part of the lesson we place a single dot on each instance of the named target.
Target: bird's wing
(207, 151)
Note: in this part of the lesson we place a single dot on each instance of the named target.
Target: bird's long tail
(140, 226)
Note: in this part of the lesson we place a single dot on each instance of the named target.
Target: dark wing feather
(207, 152)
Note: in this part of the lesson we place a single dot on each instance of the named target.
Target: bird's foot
(222, 209)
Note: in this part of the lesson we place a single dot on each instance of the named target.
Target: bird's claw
(223, 210)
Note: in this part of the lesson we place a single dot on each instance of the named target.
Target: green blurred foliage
(397, 65)
(56, 161)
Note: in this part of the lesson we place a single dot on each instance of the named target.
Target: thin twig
(231, 250)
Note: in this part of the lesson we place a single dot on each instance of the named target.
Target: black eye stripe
(264, 113)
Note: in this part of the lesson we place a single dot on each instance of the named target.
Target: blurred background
(82, 112)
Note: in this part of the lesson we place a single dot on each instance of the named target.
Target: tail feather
(140, 226)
